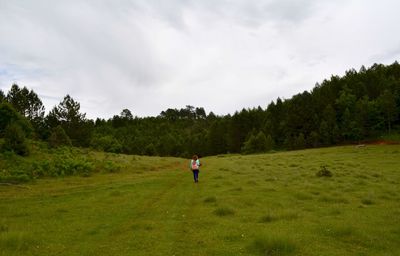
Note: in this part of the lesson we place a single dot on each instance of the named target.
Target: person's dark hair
(194, 157)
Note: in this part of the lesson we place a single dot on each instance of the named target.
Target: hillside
(266, 204)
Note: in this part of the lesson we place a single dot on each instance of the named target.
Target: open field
(267, 204)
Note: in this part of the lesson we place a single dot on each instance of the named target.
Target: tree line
(360, 105)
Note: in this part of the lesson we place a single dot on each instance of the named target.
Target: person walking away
(194, 166)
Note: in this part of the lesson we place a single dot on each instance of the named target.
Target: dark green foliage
(2, 96)
(217, 138)
(9, 115)
(299, 142)
(387, 102)
(59, 138)
(71, 166)
(27, 103)
(360, 106)
(106, 143)
(257, 144)
(67, 114)
(15, 140)
(270, 143)
(150, 150)
(324, 172)
(64, 162)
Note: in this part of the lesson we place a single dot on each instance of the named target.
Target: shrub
(19, 178)
(150, 150)
(59, 137)
(41, 168)
(70, 166)
(14, 176)
(110, 166)
(9, 115)
(14, 140)
(106, 143)
(324, 172)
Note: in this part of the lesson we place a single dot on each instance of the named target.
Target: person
(194, 166)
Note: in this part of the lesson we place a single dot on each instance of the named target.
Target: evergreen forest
(357, 107)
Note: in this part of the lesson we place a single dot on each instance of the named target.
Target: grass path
(270, 204)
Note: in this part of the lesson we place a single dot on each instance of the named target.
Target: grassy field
(269, 204)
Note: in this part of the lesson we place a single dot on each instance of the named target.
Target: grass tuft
(224, 211)
(324, 172)
(268, 218)
(3, 227)
(210, 199)
(272, 246)
(367, 201)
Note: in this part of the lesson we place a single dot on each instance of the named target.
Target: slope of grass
(267, 204)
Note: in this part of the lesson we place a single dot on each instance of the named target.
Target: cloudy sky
(149, 55)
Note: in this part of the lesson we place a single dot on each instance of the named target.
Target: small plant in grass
(268, 218)
(210, 199)
(273, 246)
(224, 211)
(367, 201)
(3, 227)
(324, 172)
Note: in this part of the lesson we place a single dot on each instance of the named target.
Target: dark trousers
(196, 175)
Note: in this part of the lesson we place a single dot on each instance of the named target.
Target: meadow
(265, 204)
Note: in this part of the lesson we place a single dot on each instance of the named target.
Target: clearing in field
(267, 204)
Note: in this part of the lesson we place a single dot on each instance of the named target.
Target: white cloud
(223, 55)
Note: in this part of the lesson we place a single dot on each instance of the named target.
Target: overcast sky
(149, 55)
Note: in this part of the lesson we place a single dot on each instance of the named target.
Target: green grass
(266, 204)
(272, 246)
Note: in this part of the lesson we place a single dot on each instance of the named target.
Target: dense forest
(359, 106)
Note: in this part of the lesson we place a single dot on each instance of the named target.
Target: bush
(59, 137)
(9, 115)
(106, 143)
(110, 166)
(150, 150)
(324, 172)
(258, 144)
(14, 176)
(70, 166)
(14, 140)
